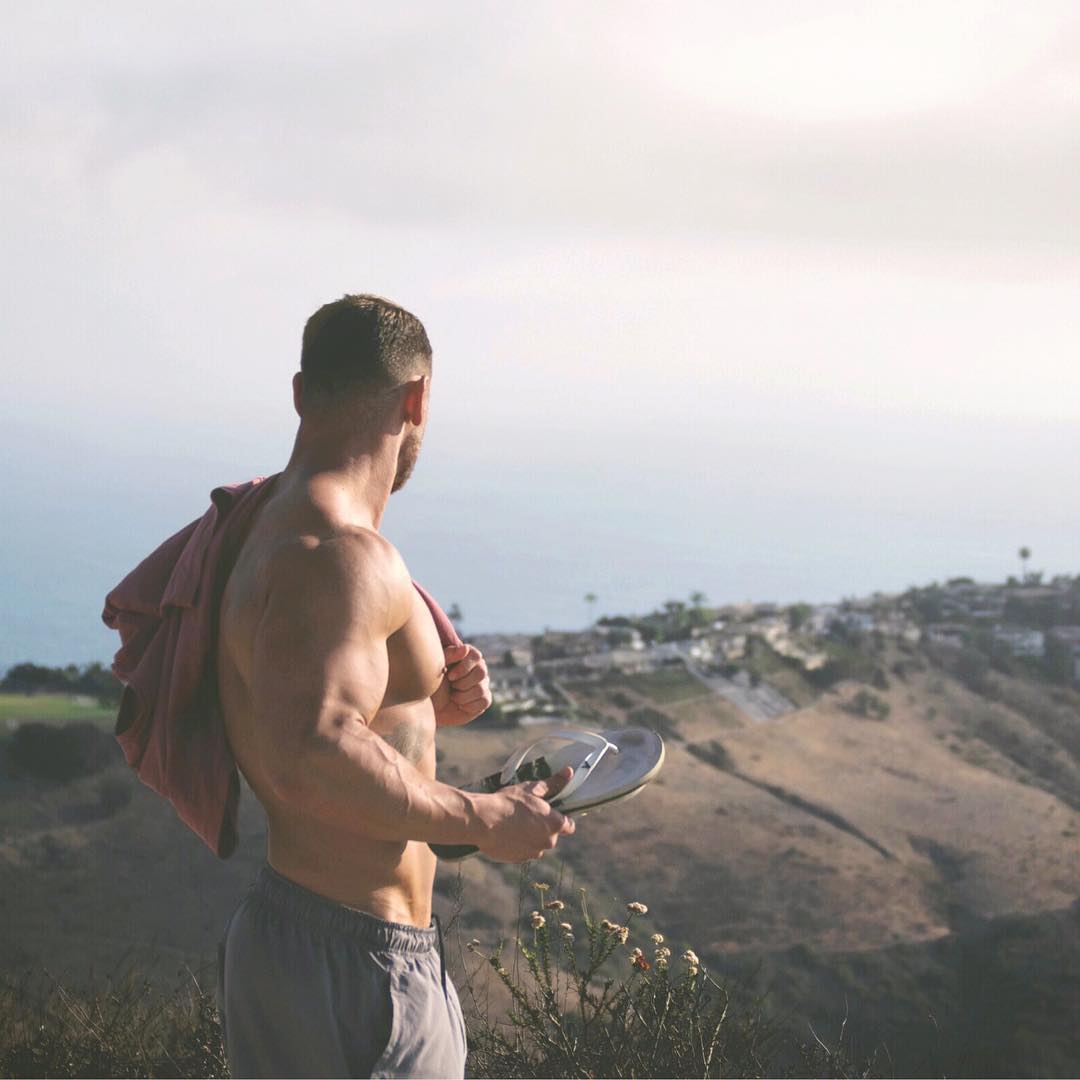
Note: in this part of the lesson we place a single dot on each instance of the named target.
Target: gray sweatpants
(308, 987)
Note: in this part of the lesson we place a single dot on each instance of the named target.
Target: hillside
(920, 866)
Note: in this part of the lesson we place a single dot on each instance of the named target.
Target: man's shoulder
(351, 562)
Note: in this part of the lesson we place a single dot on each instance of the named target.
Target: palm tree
(590, 601)
(1025, 554)
(455, 616)
(676, 612)
(697, 598)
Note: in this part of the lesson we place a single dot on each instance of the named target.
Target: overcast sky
(742, 267)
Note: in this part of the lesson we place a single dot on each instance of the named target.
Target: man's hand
(524, 824)
(465, 692)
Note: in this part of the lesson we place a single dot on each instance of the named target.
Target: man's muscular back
(321, 632)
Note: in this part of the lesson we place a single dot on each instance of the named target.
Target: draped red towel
(169, 723)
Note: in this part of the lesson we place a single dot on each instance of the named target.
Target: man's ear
(415, 401)
(298, 393)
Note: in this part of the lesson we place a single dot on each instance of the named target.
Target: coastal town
(1025, 622)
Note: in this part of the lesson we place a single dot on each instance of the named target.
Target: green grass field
(16, 709)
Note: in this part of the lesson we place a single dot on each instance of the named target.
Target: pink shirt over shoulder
(169, 722)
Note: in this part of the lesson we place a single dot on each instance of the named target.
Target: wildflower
(541, 886)
(641, 963)
(657, 939)
(537, 920)
(691, 971)
(661, 964)
(621, 932)
(635, 952)
(566, 928)
(502, 972)
(554, 905)
(662, 953)
(636, 908)
(691, 958)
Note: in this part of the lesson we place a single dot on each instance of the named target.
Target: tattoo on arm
(408, 740)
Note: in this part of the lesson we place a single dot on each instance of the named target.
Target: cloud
(883, 125)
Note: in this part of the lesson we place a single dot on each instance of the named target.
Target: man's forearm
(354, 779)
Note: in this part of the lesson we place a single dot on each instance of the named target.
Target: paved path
(760, 703)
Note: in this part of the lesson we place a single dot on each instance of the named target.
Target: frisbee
(608, 766)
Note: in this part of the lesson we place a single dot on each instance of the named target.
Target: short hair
(361, 343)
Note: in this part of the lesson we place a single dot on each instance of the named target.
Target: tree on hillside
(456, 616)
(93, 679)
(697, 612)
(1025, 554)
(676, 615)
(31, 679)
(798, 614)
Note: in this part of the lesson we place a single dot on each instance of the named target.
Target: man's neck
(350, 489)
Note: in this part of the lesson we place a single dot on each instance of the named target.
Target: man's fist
(465, 692)
(523, 824)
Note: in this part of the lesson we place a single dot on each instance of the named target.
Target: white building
(953, 634)
(1020, 640)
(627, 660)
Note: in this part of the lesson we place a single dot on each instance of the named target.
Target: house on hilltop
(966, 599)
(1020, 640)
(628, 661)
(952, 635)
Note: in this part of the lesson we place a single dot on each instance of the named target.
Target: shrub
(591, 1003)
(647, 716)
(878, 679)
(845, 662)
(123, 1028)
(61, 752)
(114, 793)
(866, 703)
(972, 668)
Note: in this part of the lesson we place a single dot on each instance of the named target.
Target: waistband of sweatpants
(320, 912)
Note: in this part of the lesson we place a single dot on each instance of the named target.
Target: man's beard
(407, 455)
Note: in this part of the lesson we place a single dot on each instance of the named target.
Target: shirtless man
(332, 681)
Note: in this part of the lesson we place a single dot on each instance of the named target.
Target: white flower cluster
(637, 908)
(621, 932)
